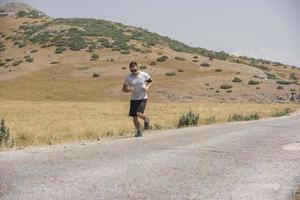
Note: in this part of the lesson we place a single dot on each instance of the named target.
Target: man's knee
(139, 114)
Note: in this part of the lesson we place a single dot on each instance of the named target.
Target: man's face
(134, 70)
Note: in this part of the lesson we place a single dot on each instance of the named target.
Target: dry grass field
(34, 123)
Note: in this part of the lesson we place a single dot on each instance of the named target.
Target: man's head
(134, 68)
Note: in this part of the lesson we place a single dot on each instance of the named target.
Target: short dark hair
(133, 64)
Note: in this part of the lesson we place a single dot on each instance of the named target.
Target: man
(138, 83)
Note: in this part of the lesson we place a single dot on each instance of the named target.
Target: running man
(138, 83)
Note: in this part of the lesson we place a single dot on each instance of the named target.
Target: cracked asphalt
(241, 160)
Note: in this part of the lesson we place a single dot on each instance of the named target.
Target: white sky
(268, 29)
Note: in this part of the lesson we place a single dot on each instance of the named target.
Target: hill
(86, 60)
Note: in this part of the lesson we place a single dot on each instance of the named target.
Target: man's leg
(137, 126)
(142, 116)
(145, 118)
(136, 123)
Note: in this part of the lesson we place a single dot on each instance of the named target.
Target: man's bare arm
(149, 83)
(126, 88)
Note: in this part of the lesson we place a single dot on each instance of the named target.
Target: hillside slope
(86, 60)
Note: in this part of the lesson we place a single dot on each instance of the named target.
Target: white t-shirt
(138, 83)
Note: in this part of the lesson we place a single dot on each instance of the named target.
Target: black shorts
(137, 106)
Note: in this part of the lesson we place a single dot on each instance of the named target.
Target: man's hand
(146, 87)
(127, 89)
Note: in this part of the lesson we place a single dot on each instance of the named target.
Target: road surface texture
(244, 160)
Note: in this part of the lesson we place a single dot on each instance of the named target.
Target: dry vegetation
(43, 123)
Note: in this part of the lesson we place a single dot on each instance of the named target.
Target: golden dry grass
(34, 123)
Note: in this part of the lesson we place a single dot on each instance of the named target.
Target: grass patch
(284, 82)
(284, 112)
(83, 68)
(17, 62)
(237, 80)
(59, 50)
(153, 63)
(4, 132)
(179, 58)
(170, 74)
(280, 87)
(253, 82)
(210, 120)
(238, 117)
(225, 86)
(162, 59)
(204, 65)
(94, 57)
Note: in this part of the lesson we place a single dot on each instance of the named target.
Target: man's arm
(149, 83)
(126, 88)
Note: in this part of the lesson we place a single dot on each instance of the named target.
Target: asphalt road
(245, 160)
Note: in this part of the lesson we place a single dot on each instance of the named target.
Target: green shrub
(257, 88)
(204, 65)
(195, 60)
(2, 63)
(2, 47)
(4, 132)
(283, 82)
(143, 67)
(179, 58)
(218, 70)
(153, 63)
(225, 86)
(280, 87)
(170, 74)
(34, 51)
(21, 45)
(195, 57)
(271, 76)
(29, 59)
(237, 80)
(253, 82)
(283, 112)
(76, 43)
(162, 59)
(54, 62)
(180, 70)
(17, 62)
(94, 56)
(125, 52)
(189, 119)
(229, 91)
(59, 50)
(237, 117)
